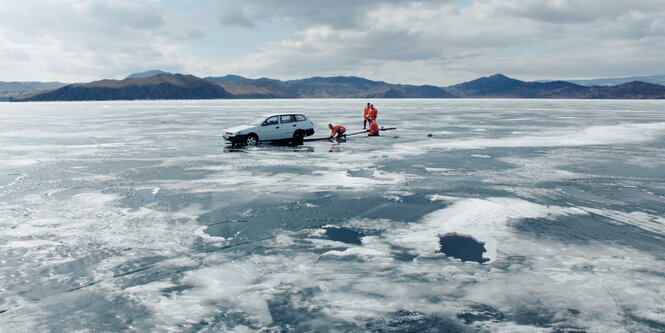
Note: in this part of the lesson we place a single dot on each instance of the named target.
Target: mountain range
(324, 87)
(162, 85)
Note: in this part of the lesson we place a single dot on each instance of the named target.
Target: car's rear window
(300, 117)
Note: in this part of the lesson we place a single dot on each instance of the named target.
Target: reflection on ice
(276, 147)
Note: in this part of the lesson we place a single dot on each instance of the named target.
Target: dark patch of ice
(343, 235)
(412, 321)
(147, 195)
(463, 248)
(481, 312)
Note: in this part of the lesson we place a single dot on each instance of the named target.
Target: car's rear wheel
(298, 136)
(251, 140)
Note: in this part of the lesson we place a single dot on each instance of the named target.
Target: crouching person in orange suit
(373, 128)
(336, 129)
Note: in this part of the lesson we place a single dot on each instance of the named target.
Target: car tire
(251, 140)
(298, 136)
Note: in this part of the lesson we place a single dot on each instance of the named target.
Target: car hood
(238, 128)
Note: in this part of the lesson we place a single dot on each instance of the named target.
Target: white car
(285, 127)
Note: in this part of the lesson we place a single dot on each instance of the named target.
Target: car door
(288, 125)
(269, 130)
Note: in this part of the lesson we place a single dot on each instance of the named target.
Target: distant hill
(630, 90)
(146, 74)
(161, 86)
(254, 88)
(653, 79)
(9, 89)
(227, 78)
(500, 86)
(178, 86)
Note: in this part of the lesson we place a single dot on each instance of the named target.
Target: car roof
(282, 114)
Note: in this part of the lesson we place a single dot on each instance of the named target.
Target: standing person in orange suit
(373, 112)
(336, 129)
(366, 115)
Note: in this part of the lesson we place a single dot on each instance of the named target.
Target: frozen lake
(514, 215)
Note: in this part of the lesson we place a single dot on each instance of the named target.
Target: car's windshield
(257, 121)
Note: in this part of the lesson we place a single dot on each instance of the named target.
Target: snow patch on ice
(33, 243)
(486, 220)
(357, 252)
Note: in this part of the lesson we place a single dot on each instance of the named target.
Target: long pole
(355, 133)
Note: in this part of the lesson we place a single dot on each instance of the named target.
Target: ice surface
(135, 216)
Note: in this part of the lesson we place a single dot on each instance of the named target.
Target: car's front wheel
(251, 140)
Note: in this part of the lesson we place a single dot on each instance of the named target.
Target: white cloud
(121, 14)
(340, 14)
(570, 11)
(74, 40)
(401, 41)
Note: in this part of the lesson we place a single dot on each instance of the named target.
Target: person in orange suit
(366, 115)
(373, 112)
(373, 128)
(336, 129)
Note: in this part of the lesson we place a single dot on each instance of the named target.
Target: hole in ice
(462, 247)
(343, 235)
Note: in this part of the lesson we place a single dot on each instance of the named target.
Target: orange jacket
(373, 112)
(337, 128)
(373, 128)
(367, 110)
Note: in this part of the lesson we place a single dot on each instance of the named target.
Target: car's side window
(271, 121)
(300, 117)
(286, 119)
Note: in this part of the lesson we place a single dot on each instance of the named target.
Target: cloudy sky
(438, 42)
